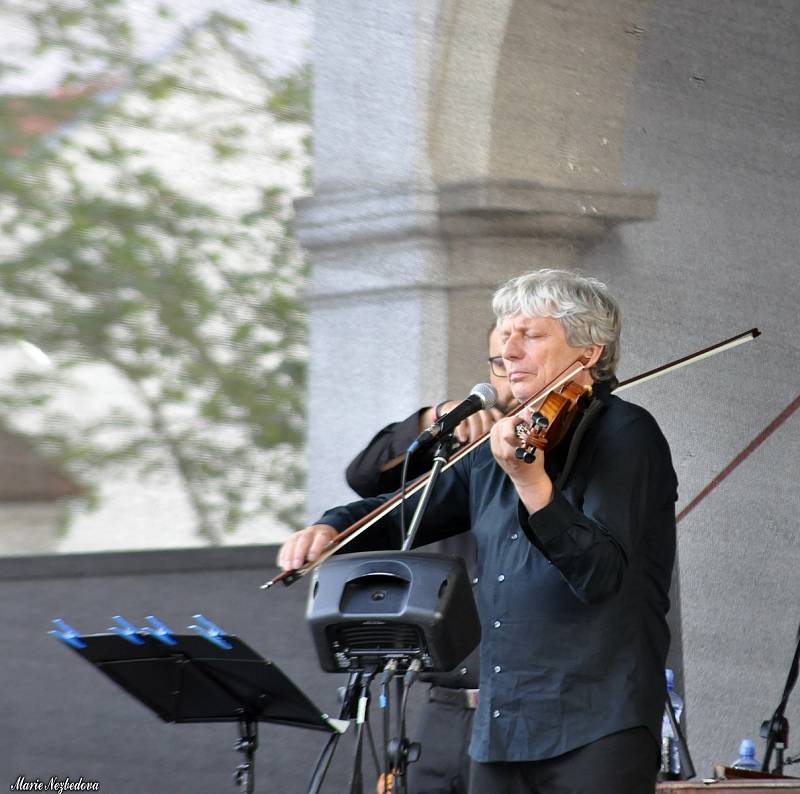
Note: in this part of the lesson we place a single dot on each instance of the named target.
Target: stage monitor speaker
(368, 608)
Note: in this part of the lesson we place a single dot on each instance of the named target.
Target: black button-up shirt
(573, 598)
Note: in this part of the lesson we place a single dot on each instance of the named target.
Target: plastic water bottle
(670, 757)
(747, 757)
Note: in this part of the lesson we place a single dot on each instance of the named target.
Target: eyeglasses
(498, 366)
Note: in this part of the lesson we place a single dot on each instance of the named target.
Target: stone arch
(533, 91)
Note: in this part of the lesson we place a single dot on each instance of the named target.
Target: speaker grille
(358, 639)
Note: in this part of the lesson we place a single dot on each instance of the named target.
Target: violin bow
(290, 576)
(692, 358)
(364, 523)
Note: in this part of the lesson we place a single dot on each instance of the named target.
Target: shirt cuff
(334, 519)
(544, 527)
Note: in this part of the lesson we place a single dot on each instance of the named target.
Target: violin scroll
(532, 437)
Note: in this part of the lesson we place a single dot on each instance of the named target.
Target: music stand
(200, 679)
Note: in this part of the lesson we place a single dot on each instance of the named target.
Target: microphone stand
(401, 750)
(440, 455)
(776, 730)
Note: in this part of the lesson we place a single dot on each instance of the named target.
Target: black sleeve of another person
(365, 475)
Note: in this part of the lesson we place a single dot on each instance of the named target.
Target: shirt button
(514, 536)
(501, 578)
(496, 624)
(495, 713)
(475, 580)
(497, 668)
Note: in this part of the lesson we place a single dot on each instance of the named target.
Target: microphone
(483, 395)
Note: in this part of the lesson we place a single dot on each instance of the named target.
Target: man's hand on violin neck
(305, 545)
(533, 485)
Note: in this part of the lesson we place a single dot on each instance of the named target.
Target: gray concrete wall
(713, 126)
(430, 189)
(694, 99)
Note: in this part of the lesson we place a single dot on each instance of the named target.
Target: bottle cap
(747, 749)
(670, 678)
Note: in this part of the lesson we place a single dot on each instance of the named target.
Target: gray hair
(587, 312)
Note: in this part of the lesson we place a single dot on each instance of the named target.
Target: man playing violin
(575, 552)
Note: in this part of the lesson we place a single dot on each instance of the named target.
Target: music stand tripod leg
(245, 774)
(347, 711)
(687, 766)
(776, 730)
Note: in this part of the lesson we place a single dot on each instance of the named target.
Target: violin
(553, 420)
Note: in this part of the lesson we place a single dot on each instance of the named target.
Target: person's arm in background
(377, 469)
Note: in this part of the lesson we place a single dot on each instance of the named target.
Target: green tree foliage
(174, 286)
